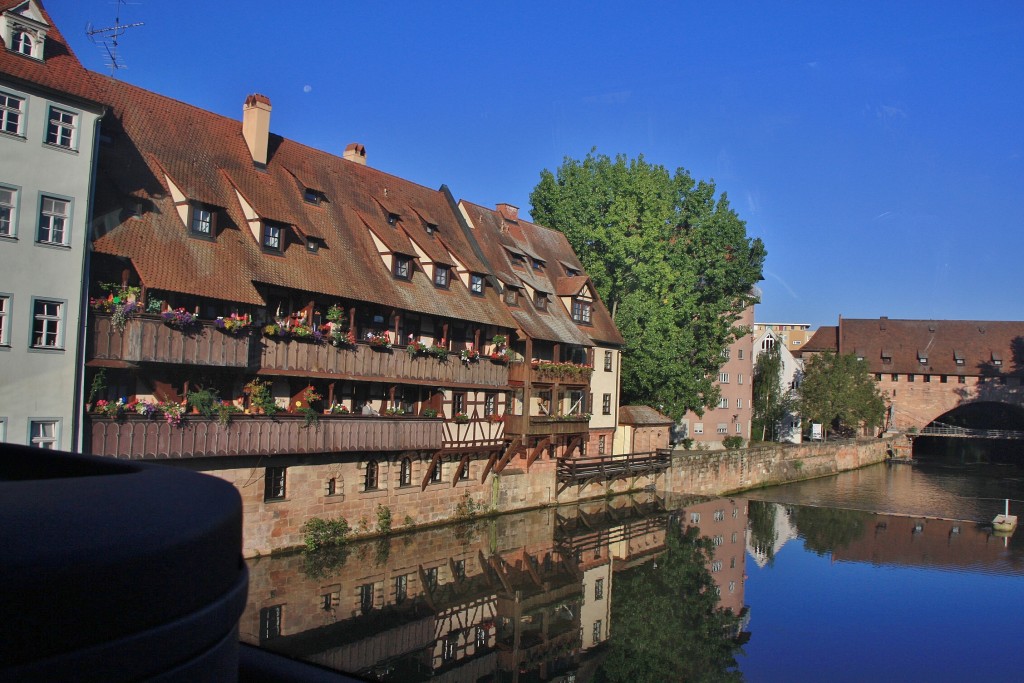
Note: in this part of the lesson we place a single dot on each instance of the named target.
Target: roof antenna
(109, 36)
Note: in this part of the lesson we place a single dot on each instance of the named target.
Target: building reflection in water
(525, 597)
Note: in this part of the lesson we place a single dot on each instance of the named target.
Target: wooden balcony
(522, 425)
(147, 339)
(580, 470)
(475, 434)
(275, 356)
(136, 437)
(518, 373)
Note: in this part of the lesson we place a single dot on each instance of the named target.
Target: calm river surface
(890, 573)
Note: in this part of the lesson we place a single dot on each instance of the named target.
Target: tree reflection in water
(827, 529)
(667, 625)
(763, 534)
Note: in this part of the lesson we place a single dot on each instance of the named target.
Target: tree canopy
(669, 257)
(771, 401)
(839, 392)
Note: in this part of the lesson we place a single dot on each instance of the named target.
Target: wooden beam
(512, 450)
(537, 450)
(430, 468)
(574, 443)
(464, 462)
(490, 463)
(425, 585)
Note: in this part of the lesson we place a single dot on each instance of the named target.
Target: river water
(889, 573)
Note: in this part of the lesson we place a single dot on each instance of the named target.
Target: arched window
(21, 42)
(371, 475)
(768, 343)
(405, 474)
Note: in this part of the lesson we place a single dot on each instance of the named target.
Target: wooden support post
(430, 468)
(463, 462)
(535, 453)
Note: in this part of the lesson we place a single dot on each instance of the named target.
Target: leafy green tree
(771, 402)
(666, 623)
(839, 392)
(669, 257)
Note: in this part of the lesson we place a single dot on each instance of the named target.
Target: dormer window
(958, 356)
(312, 196)
(22, 43)
(537, 264)
(392, 219)
(540, 301)
(571, 272)
(511, 296)
(886, 356)
(202, 221)
(518, 260)
(312, 245)
(403, 267)
(476, 284)
(431, 228)
(997, 359)
(273, 237)
(922, 357)
(442, 275)
(581, 311)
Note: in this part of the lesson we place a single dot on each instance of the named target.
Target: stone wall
(713, 473)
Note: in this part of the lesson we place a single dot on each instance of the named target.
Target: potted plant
(461, 418)
(180, 319)
(305, 407)
(203, 401)
(261, 400)
(429, 412)
(379, 340)
(233, 324)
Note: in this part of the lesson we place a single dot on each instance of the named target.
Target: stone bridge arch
(913, 406)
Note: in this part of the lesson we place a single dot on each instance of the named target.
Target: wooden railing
(364, 362)
(148, 339)
(613, 466)
(136, 437)
(518, 372)
(523, 425)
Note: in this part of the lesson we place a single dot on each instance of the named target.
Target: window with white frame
(53, 221)
(11, 110)
(202, 221)
(581, 311)
(739, 378)
(44, 433)
(739, 428)
(723, 428)
(723, 377)
(22, 43)
(739, 403)
(403, 267)
(607, 361)
(47, 319)
(7, 212)
(476, 284)
(441, 275)
(606, 404)
(273, 237)
(3, 429)
(698, 428)
(723, 403)
(61, 129)
(5, 311)
(739, 354)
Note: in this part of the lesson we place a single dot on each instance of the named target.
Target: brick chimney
(355, 152)
(256, 126)
(508, 211)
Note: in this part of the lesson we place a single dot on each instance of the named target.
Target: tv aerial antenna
(107, 38)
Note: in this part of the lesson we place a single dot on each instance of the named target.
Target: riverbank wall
(713, 473)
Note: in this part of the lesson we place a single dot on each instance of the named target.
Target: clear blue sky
(875, 147)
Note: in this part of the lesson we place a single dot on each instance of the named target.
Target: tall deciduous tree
(771, 402)
(839, 392)
(669, 257)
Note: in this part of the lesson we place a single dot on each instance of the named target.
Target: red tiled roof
(823, 339)
(205, 155)
(498, 236)
(642, 415)
(938, 342)
(59, 69)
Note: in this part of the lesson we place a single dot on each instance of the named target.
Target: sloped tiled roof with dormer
(498, 235)
(59, 70)
(155, 141)
(934, 346)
